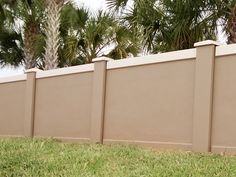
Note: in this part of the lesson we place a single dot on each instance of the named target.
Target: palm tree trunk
(30, 33)
(52, 34)
(231, 26)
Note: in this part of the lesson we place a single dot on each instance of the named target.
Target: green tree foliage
(177, 24)
(10, 40)
(130, 28)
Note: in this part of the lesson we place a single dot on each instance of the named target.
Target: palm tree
(167, 25)
(21, 19)
(89, 36)
(188, 22)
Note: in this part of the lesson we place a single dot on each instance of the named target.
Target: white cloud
(94, 5)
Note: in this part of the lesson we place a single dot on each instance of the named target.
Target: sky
(94, 5)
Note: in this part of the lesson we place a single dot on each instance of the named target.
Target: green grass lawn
(42, 158)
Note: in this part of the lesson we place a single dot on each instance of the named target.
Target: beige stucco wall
(150, 103)
(184, 99)
(12, 102)
(224, 105)
(62, 107)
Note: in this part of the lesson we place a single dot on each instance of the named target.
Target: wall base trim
(12, 136)
(223, 149)
(67, 139)
(156, 144)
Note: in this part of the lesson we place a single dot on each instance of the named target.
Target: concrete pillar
(98, 99)
(30, 101)
(202, 111)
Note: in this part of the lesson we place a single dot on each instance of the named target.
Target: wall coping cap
(102, 59)
(33, 70)
(207, 42)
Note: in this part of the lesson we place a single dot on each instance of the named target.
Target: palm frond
(116, 4)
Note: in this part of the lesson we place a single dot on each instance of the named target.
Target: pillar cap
(32, 70)
(102, 59)
(207, 42)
